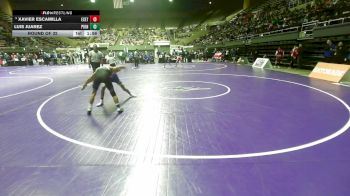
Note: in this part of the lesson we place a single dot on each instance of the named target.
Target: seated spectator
(329, 51)
(340, 54)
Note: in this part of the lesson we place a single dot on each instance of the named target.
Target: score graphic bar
(55, 33)
(71, 23)
(56, 26)
(51, 19)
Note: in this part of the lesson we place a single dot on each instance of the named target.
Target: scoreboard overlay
(56, 23)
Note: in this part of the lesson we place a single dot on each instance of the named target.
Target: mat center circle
(187, 90)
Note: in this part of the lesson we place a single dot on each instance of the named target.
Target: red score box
(94, 19)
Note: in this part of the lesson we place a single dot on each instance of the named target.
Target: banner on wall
(161, 43)
(99, 45)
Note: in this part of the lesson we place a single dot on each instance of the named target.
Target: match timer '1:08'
(56, 23)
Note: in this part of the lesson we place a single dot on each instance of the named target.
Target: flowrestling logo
(56, 12)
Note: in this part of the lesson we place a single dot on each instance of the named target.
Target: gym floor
(196, 129)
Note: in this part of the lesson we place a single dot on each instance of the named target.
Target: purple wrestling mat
(195, 129)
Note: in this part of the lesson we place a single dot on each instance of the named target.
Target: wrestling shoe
(99, 104)
(120, 110)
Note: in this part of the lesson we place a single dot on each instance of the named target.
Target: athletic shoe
(120, 110)
(99, 104)
(89, 112)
